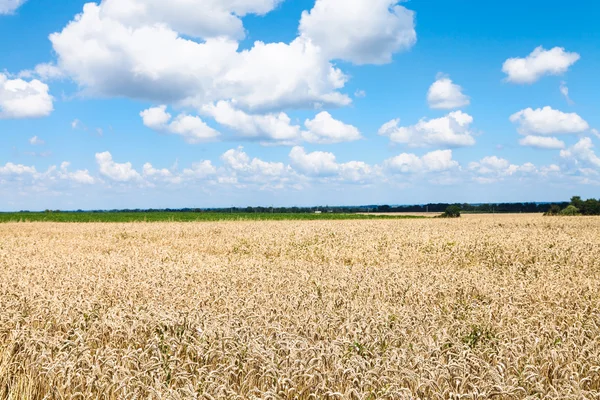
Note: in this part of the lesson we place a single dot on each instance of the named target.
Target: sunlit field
(475, 308)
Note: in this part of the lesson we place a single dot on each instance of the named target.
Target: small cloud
(564, 90)
(76, 124)
(360, 94)
(36, 141)
(100, 131)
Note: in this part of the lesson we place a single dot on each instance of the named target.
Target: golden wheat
(482, 307)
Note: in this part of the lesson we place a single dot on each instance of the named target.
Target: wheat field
(503, 307)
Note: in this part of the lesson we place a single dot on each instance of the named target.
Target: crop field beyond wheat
(503, 307)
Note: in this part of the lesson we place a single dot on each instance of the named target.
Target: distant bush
(570, 211)
(451, 212)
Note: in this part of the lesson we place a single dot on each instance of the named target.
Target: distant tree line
(587, 207)
(577, 206)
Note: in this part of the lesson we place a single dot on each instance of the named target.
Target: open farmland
(504, 306)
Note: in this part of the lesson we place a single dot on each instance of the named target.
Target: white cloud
(191, 128)
(444, 94)
(547, 121)
(117, 172)
(17, 169)
(36, 141)
(10, 6)
(196, 18)
(321, 164)
(360, 31)
(435, 161)
(239, 169)
(491, 169)
(582, 154)
(325, 129)
(43, 71)
(539, 63)
(449, 131)
(79, 176)
(113, 56)
(20, 172)
(595, 133)
(239, 161)
(489, 164)
(276, 127)
(542, 142)
(317, 163)
(564, 90)
(23, 99)
(200, 170)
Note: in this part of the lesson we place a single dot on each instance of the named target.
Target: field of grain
(480, 307)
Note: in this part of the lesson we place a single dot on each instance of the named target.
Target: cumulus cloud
(325, 129)
(275, 126)
(17, 169)
(449, 131)
(359, 31)
(123, 172)
(542, 142)
(191, 128)
(547, 121)
(108, 54)
(237, 160)
(80, 176)
(200, 170)
(318, 163)
(492, 169)
(10, 6)
(444, 94)
(435, 161)
(24, 99)
(582, 154)
(196, 18)
(30, 174)
(36, 141)
(324, 165)
(540, 62)
(278, 127)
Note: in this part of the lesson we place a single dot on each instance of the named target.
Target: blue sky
(197, 103)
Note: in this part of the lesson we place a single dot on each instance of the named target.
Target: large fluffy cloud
(114, 56)
(540, 62)
(449, 131)
(24, 99)
(548, 121)
(191, 128)
(9, 6)
(444, 94)
(363, 32)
